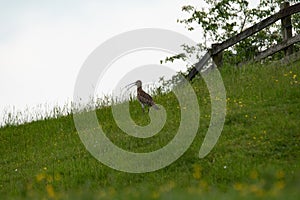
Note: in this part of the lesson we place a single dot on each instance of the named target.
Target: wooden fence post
(286, 29)
(217, 58)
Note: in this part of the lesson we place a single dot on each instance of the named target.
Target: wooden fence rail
(278, 47)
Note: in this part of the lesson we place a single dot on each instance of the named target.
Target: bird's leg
(143, 107)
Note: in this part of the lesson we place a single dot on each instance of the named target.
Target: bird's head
(138, 83)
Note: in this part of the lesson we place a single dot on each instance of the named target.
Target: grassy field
(256, 157)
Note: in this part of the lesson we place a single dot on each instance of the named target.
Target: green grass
(257, 155)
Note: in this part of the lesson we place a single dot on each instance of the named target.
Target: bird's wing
(145, 98)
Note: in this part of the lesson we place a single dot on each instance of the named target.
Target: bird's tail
(155, 107)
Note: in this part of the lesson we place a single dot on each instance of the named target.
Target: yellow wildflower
(279, 185)
(238, 186)
(50, 191)
(197, 172)
(294, 76)
(40, 177)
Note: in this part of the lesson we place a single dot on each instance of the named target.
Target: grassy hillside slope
(257, 155)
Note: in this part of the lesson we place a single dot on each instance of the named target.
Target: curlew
(144, 98)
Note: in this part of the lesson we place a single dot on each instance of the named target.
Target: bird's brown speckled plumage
(143, 97)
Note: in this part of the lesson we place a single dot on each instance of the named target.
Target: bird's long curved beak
(130, 85)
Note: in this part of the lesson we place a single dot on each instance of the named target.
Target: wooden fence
(216, 52)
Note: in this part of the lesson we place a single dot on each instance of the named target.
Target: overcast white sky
(44, 43)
